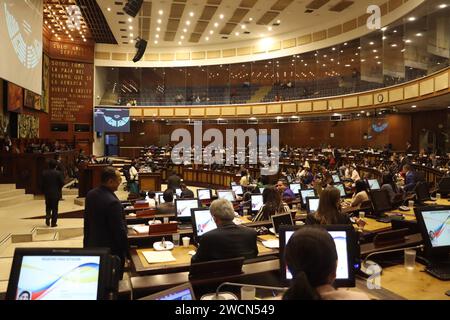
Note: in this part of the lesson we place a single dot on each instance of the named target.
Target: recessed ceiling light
(211, 32)
(129, 19)
(131, 35)
(394, 45)
(371, 43)
(384, 29)
(109, 9)
(414, 106)
(216, 24)
(156, 41)
(159, 21)
(188, 23)
(179, 42)
(131, 41)
(412, 19)
(384, 37)
(130, 27)
(160, 12)
(243, 26)
(185, 30)
(207, 38)
(269, 28)
(250, 19)
(237, 33)
(408, 41)
(191, 14)
(158, 29)
(418, 34)
(375, 50)
(221, 16)
(182, 37)
(442, 6)
(157, 36)
(278, 21)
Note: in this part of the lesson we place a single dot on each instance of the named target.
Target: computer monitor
(381, 202)
(202, 222)
(261, 189)
(237, 190)
(256, 202)
(336, 178)
(373, 184)
(307, 193)
(312, 204)
(444, 185)
(161, 198)
(60, 274)
(182, 292)
(183, 208)
(434, 224)
(341, 188)
(344, 237)
(295, 187)
(422, 191)
(178, 192)
(226, 194)
(204, 194)
(157, 194)
(278, 220)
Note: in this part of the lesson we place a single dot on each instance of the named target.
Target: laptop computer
(278, 220)
(181, 292)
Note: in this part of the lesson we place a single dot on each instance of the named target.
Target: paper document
(141, 228)
(271, 244)
(158, 256)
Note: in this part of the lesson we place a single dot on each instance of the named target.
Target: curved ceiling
(179, 23)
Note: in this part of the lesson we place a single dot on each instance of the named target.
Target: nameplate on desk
(163, 228)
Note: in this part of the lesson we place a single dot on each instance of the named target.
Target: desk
(414, 284)
(149, 181)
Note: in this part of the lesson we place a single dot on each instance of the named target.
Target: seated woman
(388, 184)
(272, 204)
(311, 257)
(360, 194)
(329, 210)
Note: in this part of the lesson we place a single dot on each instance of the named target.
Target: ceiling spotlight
(207, 38)
(188, 23)
(211, 32)
(160, 12)
(412, 19)
(191, 14)
(159, 21)
(269, 28)
(130, 20)
(237, 33)
(109, 9)
(408, 41)
(221, 16)
(414, 106)
(130, 27)
(418, 34)
(442, 6)
(384, 29)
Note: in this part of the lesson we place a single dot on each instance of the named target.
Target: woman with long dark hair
(311, 257)
(272, 204)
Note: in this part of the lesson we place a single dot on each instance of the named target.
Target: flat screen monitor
(261, 189)
(237, 190)
(111, 120)
(380, 201)
(182, 292)
(373, 184)
(336, 178)
(444, 185)
(226, 194)
(58, 274)
(347, 250)
(341, 188)
(278, 220)
(204, 194)
(434, 224)
(256, 202)
(312, 204)
(295, 187)
(183, 207)
(202, 222)
(307, 193)
(161, 198)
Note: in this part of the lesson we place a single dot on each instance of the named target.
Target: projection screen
(21, 43)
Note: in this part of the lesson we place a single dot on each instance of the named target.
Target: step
(53, 236)
(11, 193)
(70, 243)
(11, 201)
(7, 186)
(70, 192)
(63, 233)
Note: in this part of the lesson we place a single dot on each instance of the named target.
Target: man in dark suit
(228, 240)
(104, 224)
(186, 193)
(173, 182)
(168, 207)
(410, 178)
(52, 183)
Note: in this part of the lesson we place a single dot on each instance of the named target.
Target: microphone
(366, 263)
(230, 296)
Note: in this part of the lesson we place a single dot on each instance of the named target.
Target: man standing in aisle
(104, 224)
(52, 183)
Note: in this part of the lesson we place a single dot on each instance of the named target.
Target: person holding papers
(228, 240)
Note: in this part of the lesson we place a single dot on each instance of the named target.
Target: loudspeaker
(140, 45)
(132, 7)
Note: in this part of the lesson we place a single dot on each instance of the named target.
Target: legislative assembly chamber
(225, 150)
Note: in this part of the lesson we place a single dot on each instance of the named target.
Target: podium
(90, 177)
(150, 181)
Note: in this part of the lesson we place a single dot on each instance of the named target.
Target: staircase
(260, 94)
(10, 196)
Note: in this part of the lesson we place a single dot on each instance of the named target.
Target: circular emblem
(27, 48)
(380, 98)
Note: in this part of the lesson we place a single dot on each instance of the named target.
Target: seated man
(228, 240)
(284, 190)
(410, 178)
(186, 193)
(168, 207)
